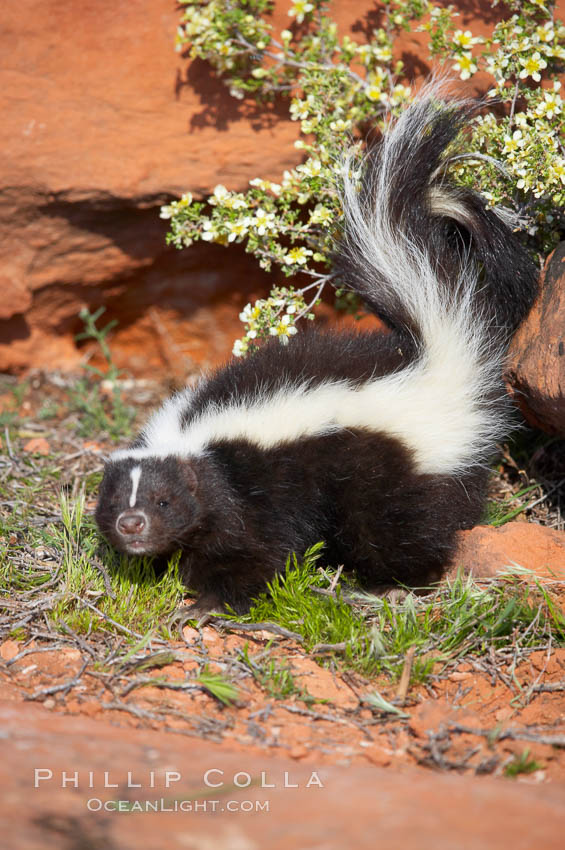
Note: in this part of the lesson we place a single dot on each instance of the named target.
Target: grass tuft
(522, 764)
(100, 412)
(373, 634)
(218, 686)
(273, 676)
(125, 593)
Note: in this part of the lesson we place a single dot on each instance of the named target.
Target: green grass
(100, 413)
(140, 599)
(292, 602)
(459, 618)
(218, 686)
(98, 590)
(499, 513)
(35, 484)
(132, 599)
(273, 676)
(522, 764)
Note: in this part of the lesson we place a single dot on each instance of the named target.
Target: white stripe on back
(436, 407)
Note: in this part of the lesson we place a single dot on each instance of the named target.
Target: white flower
(283, 329)
(243, 316)
(170, 210)
(383, 54)
(300, 8)
(558, 169)
(340, 125)
(236, 202)
(546, 33)
(320, 215)
(550, 105)
(464, 39)
(263, 221)
(364, 52)
(297, 256)
(239, 348)
(238, 228)
(288, 179)
(466, 65)
(400, 94)
(374, 90)
(249, 314)
(532, 66)
(311, 168)
(224, 48)
(513, 143)
(224, 198)
(209, 231)
(266, 185)
(299, 110)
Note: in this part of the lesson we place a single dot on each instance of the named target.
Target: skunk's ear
(189, 475)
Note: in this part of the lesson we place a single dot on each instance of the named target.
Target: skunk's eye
(163, 504)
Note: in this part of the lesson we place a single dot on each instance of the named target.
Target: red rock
(102, 122)
(320, 683)
(37, 445)
(92, 446)
(536, 370)
(114, 124)
(358, 806)
(459, 676)
(298, 752)
(377, 756)
(211, 636)
(430, 716)
(190, 634)
(9, 649)
(485, 551)
(504, 714)
(16, 297)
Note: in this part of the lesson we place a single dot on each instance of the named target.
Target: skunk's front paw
(202, 610)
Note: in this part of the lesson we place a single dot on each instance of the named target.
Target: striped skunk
(372, 442)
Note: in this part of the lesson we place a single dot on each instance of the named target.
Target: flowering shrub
(337, 89)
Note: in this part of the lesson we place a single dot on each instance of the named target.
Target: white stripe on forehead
(135, 475)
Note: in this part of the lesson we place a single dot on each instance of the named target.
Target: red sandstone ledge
(356, 807)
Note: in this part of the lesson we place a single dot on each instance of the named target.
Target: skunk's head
(148, 506)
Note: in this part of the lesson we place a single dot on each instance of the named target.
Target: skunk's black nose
(129, 523)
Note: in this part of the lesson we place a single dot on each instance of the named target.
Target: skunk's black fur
(374, 443)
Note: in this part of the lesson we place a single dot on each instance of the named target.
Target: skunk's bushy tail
(439, 265)
(405, 220)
